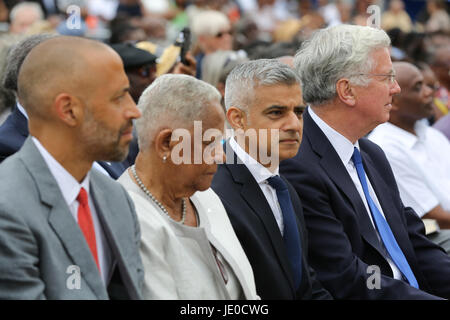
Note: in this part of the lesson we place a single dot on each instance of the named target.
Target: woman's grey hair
(209, 22)
(215, 64)
(17, 55)
(173, 101)
(246, 76)
(334, 53)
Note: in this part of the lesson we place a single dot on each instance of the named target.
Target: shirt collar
(69, 186)
(21, 109)
(344, 148)
(258, 171)
(394, 133)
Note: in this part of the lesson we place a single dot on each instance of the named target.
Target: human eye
(299, 111)
(275, 112)
(391, 78)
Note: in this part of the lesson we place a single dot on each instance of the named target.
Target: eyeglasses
(222, 33)
(146, 70)
(390, 76)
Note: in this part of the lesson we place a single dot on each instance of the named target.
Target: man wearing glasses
(363, 242)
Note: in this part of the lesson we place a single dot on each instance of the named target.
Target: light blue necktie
(383, 227)
(291, 236)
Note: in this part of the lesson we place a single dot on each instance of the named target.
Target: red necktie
(86, 224)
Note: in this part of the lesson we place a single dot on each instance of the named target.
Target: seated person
(419, 154)
(188, 246)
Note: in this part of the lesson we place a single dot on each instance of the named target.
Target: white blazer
(178, 259)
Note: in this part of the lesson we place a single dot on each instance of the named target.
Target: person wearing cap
(140, 67)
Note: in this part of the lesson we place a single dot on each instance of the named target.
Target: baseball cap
(133, 56)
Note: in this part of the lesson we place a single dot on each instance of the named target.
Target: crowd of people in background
(361, 104)
(248, 29)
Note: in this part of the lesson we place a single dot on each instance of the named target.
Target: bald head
(415, 100)
(60, 65)
(404, 72)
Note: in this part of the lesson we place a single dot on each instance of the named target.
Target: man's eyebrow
(301, 106)
(275, 107)
(123, 90)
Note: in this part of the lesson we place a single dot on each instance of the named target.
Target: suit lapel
(385, 201)
(253, 195)
(221, 243)
(336, 170)
(75, 244)
(60, 218)
(113, 232)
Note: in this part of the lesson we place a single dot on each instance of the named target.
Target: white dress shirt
(22, 110)
(70, 188)
(421, 164)
(344, 148)
(261, 174)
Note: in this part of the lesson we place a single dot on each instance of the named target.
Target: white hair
(209, 22)
(26, 6)
(246, 76)
(172, 101)
(215, 64)
(334, 53)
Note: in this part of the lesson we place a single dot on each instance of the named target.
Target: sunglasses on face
(147, 70)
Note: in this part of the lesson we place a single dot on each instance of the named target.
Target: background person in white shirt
(419, 154)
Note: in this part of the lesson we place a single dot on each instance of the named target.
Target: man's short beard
(98, 142)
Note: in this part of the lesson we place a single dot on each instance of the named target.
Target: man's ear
(68, 109)
(346, 92)
(163, 143)
(236, 118)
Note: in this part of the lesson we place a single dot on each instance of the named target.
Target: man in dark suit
(264, 107)
(67, 231)
(14, 130)
(363, 243)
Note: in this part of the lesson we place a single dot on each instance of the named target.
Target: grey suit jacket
(43, 253)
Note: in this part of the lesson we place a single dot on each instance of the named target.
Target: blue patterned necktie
(291, 236)
(383, 227)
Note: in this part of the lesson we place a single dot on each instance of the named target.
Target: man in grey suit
(66, 231)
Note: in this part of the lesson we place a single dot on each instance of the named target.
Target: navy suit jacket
(342, 239)
(14, 131)
(260, 237)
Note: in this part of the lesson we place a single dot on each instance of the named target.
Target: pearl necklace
(159, 204)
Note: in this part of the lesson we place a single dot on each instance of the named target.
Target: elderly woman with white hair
(188, 246)
(212, 32)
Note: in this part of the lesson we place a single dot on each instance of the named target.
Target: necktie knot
(356, 157)
(277, 183)
(82, 197)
